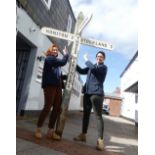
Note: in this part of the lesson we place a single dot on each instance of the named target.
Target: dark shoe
(80, 137)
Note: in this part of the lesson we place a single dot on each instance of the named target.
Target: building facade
(31, 16)
(129, 90)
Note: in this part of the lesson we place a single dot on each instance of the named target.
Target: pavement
(120, 137)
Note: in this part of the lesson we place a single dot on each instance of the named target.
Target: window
(136, 98)
(47, 3)
(69, 24)
(41, 60)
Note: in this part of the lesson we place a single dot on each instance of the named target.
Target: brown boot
(100, 144)
(80, 137)
(38, 133)
(53, 136)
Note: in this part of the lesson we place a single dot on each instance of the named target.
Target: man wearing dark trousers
(93, 96)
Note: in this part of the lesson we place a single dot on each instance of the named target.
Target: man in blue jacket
(93, 96)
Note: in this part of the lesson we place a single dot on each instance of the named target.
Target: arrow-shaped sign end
(43, 29)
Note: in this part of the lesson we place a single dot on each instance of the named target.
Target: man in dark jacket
(93, 96)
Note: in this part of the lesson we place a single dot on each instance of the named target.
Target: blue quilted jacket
(51, 71)
(95, 78)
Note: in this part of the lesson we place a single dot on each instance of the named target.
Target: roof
(112, 96)
(129, 64)
(133, 88)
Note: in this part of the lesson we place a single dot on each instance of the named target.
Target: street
(120, 136)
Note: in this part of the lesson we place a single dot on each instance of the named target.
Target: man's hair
(101, 53)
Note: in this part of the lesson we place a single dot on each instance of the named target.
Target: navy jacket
(51, 71)
(95, 78)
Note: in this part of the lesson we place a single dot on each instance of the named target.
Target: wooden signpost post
(77, 40)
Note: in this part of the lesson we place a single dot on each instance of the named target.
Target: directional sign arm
(84, 23)
(96, 43)
(72, 37)
(58, 34)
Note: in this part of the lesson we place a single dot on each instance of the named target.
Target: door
(22, 58)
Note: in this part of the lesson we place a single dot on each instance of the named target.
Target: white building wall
(128, 79)
(75, 101)
(128, 105)
(130, 76)
(31, 31)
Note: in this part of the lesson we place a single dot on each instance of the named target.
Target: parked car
(105, 109)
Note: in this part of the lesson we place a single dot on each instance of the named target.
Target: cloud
(113, 21)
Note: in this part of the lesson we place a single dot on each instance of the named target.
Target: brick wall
(115, 106)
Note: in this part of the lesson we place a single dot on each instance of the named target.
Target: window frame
(69, 23)
(47, 4)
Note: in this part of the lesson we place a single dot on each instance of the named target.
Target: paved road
(121, 137)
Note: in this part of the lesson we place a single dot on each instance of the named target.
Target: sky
(113, 22)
